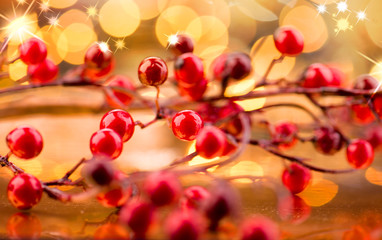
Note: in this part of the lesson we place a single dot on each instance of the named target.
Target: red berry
(118, 194)
(163, 188)
(99, 172)
(366, 82)
(195, 92)
(360, 154)
(119, 97)
(377, 103)
(120, 121)
(152, 71)
(111, 231)
(289, 41)
(23, 225)
(43, 72)
(186, 125)
(259, 227)
(231, 146)
(338, 76)
(24, 191)
(293, 209)
(138, 215)
(327, 140)
(107, 143)
(232, 65)
(317, 75)
(194, 197)
(284, 134)
(99, 62)
(210, 142)
(362, 113)
(357, 232)
(25, 142)
(184, 44)
(186, 225)
(296, 178)
(208, 112)
(189, 70)
(33, 51)
(231, 110)
(374, 137)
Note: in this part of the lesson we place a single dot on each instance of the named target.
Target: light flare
(361, 16)
(119, 44)
(92, 11)
(342, 7)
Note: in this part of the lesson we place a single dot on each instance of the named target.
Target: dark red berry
(259, 227)
(377, 104)
(163, 188)
(99, 172)
(231, 111)
(232, 65)
(284, 134)
(296, 178)
(25, 142)
(24, 191)
(317, 75)
(195, 92)
(120, 121)
(293, 209)
(194, 197)
(289, 41)
(107, 143)
(231, 146)
(119, 97)
(360, 154)
(111, 231)
(118, 194)
(186, 125)
(184, 44)
(210, 142)
(189, 70)
(366, 82)
(338, 76)
(184, 225)
(99, 62)
(33, 51)
(152, 71)
(208, 112)
(327, 140)
(138, 215)
(374, 137)
(23, 225)
(43, 72)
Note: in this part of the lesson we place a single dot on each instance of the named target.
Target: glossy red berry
(231, 110)
(195, 92)
(210, 142)
(119, 97)
(107, 143)
(366, 82)
(43, 72)
(284, 134)
(186, 125)
(235, 65)
(259, 227)
(99, 62)
(189, 70)
(289, 41)
(23, 225)
(138, 215)
(25, 142)
(33, 51)
(184, 225)
(231, 146)
(327, 140)
(194, 197)
(362, 113)
(152, 71)
(118, 194)
(183, 44)
(338, 76)
(163, 188)
(111, 231)
(317, 75)
(120, 121)
(293, 209)
(24, 191)
(296, 178)
(374, 137)
(360, 154)
(99, 172)
(377, 104)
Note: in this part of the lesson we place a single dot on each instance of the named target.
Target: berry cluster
(218, 125)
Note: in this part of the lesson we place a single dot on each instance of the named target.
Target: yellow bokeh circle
(61, 3)
(150, 8)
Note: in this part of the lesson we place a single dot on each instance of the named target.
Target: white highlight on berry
(173, 39)
(104, 47)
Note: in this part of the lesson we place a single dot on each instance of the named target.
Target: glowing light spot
(44, 7)
(53, 22)
(119, 44)
(172, 39)
(321, 9)
(342, 6)
(17, 70)
(252, 104)
(374, 176)
(319, 192)
(246, 168)
(20, 2)
(61, 3)
(104, 47)
(92, 11)
(198, 160)
(361, 16)
(342, 25)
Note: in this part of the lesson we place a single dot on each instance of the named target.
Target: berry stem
(268, 71)
(65, 179)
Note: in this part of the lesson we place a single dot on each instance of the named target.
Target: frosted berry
(120, 121)
(317, 75)
(284, 134)
(24, 191)
(189, 70)
(210, 142)
(194, 197)
(235, 65)
(99, 172)
(118, 194)
(138, 215)
(25, 142)
(33, 51)
(186, 125)
(296, 178)
(374, 137)
(99, 62)
(163, 188)
(327, 140)
(152, 71)
(184, 225)
(259, 227)
(360, 154)
(184, 44)
(23, 225)
(289, 41)
(195, 92)
(107, 143)
(43, 72)
(119, 97)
